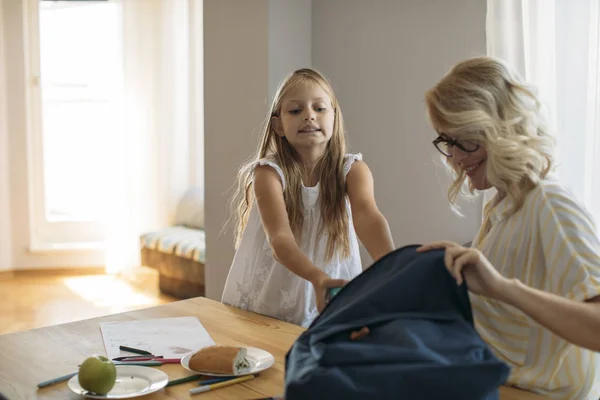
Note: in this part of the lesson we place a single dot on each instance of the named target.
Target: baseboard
(6, 274)
(52, 272)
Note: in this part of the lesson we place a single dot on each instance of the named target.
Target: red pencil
(159, 359)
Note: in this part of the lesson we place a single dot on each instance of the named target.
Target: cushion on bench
(178, 240)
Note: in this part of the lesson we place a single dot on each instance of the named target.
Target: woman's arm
(268, 191)
(577, 322)
(569, 305)
(371, 226)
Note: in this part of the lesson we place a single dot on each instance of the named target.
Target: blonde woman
(301, 203)
(533, 270)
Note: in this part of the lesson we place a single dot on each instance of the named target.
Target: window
(76, 93)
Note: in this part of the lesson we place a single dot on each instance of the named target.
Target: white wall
(235, 96)
(290, 39)
(381, 56)
(5, 226)
(248, 48)
(197, 92)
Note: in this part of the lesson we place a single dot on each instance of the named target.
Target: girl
(301, 203)
(534, 267)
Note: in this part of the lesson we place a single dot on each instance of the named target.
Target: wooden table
(30, 357)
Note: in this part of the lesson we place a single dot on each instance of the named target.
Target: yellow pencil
(219, 385)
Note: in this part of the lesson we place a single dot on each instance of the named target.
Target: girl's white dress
(258, 283)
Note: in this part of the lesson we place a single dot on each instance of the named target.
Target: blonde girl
(302, 204)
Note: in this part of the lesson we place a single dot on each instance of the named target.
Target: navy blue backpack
(403, 329)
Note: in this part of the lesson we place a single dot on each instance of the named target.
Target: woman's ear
(277, 127)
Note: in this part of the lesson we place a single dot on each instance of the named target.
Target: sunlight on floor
(108, 291)
(37, 300)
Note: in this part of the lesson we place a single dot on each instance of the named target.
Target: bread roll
(220, 360)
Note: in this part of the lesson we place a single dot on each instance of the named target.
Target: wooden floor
(33, 300)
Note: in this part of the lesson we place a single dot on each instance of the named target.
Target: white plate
(258, 359)
(132, 381)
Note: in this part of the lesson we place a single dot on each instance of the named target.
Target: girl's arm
(268, 191)
(371, 226)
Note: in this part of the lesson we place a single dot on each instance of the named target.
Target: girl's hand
(480, 275)
(322, 283)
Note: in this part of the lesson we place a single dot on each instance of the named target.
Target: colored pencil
(56, 380)
(134, 350)
(219, 385)
(215, 380)
(184, 380)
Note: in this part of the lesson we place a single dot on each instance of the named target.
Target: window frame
(46, 235)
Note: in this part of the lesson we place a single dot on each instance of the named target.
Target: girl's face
(466, 155)
(306, 118)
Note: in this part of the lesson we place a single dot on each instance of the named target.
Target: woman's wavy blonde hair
(332, 191)
(483, 100)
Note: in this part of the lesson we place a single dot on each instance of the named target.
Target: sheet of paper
(167, 337)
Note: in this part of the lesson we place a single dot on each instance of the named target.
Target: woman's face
(466, 155)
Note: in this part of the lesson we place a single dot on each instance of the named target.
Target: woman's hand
(480, 275)
(322, 283)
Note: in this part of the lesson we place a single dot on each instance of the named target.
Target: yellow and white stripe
(550, 244)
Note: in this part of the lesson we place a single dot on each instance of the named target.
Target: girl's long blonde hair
(332, 191)
(483, 100)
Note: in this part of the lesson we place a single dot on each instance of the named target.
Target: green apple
(97, 374)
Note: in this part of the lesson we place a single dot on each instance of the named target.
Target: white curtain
(159, 153)
(555, 45)
(5, 226)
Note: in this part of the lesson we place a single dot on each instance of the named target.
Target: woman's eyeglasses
(445, 146)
